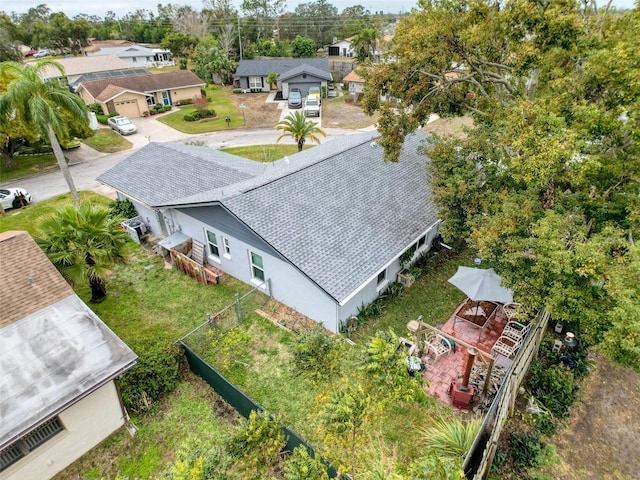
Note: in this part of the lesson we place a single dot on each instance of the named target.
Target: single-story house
(343, 48)
(138, 55)
(133, 96)
(355, 82)
(79, 69)
(302, 73)
(321, 231)
(59, 369)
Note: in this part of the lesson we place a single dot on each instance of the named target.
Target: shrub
(237, 90)
(258, 444)
(96, 108)
(554, 386)
(525, 449)
(191, 117)
(315, 353)
(123, 208)
(156, 373)
(302, 466)
(186, 101)
(209, 112)
(103, 119)
(203, 92)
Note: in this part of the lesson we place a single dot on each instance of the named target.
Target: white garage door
(128, 108)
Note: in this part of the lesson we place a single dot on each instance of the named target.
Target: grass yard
(27, 165)
(107, 141)
(264, 153)
(257, 113)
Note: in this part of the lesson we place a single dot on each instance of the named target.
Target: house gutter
(62, 408)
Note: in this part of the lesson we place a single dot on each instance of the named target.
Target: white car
(312, 106)
(41, 54)
(10, 197)
(122, 125)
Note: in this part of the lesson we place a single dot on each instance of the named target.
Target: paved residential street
(87, 164)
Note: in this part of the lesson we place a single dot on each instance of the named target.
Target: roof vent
(374, 144)
(31, 281)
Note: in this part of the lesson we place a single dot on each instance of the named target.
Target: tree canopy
(546, 184)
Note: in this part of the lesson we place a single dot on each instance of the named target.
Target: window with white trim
(257, 267)
(382, 277)
(255, 82)
(227, 248)
(212, 241)
(30, 442)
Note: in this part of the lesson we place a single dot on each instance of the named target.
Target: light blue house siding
(286, 283)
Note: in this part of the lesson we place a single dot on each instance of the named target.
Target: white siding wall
(86, 424)
(288, 285)
(148, 214)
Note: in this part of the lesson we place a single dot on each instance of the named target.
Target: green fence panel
(238, 400)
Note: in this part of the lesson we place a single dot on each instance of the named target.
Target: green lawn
(219, 102)
(107, 141)
(264, 153)
(27, 165)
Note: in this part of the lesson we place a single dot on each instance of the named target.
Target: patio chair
(511, 309)
(438, 345)
(506, 346)
(516, 330)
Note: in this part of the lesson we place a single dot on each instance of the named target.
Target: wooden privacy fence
(189, 266)
(484, 446)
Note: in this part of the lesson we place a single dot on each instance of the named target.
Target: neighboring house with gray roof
(133, 96)
(59, 367)
(301, 73)
(321, 231)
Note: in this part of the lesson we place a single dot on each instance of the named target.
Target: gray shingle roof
(311, 70)
(338, 212)
(341, 220)
(247, 68)
(159, 173)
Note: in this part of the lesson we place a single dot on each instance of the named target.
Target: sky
(122, 7)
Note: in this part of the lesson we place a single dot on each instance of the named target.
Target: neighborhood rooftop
(55, 349)
(248, 68)
(145, 83)
(337, 212)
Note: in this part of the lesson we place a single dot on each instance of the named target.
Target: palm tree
(299, 128)
(83, 242)
(41, 106)
(365, 43)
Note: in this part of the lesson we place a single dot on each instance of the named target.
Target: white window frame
(254, 267)
(210, 253)
(255, 82)
(226, 247)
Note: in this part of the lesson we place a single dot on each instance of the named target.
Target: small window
(213, 243)
(382, 277)
(257, 269)
(134, 59)
(227, 248)
(421, 241)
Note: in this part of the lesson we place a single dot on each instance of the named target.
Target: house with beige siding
(133, 96)
(59, 367)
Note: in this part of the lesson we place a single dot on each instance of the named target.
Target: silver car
(295, 98)
(11, 198)
(122, 125)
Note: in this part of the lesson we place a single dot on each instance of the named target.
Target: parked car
(41, 53)
(31, 53)
(312, 106)
(10, 197)
(315, 92)
(122, 125)
(295, 98)
(70, 144)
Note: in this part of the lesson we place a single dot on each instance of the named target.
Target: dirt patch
(337, 113)
(257, 112)
(449, 126)
(602, 438)
(286, 317)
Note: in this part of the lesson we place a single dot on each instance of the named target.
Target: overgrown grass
(107, 141)
(219, 102)
(264, 153)
(430, 296)
(27, 165)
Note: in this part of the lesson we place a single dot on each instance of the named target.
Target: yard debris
(478, 376)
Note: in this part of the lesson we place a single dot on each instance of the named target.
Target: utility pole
(239, 38)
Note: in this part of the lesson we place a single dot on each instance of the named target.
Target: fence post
(238, 308)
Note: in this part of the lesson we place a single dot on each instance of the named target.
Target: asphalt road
(87, 164)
